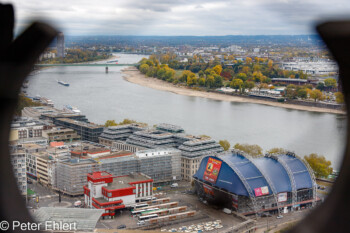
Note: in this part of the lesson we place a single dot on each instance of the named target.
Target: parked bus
(138, 212)
(142, 218)
(140, 205)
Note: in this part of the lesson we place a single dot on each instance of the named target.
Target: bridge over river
(86, 64)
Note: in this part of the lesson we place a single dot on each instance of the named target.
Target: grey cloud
(183, 17)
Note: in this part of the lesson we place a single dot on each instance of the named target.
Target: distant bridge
(87, 64)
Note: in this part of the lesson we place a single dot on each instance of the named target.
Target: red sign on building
(261, 191)
(212, 170)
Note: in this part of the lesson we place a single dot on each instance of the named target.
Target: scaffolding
(312, 174)
(268, 180)
(162, 165)
(70, 175)
(245, 183)
(290, 175)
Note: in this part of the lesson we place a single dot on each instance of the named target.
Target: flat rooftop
(124, 181)
(42, 154)
(29, 146)
(80, 123)
(59, 130)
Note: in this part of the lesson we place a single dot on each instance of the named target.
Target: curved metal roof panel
(276, 172)
(300, 172)
(227, 179)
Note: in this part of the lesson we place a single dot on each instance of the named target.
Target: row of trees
(215, 78)
(152, 68)
(23, 102)
(307, 91)
(78, 55)
(319, 164)
(209, 78)
(257, 69)
(126, 121)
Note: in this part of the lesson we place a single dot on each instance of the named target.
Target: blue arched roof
(300, 172)
(252, 172)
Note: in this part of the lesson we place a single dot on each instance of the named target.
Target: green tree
(217, 69)
(191, 80)
(201, 82)
(126, 121)
(319, 164)
(252, 150)
(339, 97)
(144, 68)
(302, 93)
(225, 144)
(236, 84)
(110, 123)
(290, 92)
(242, 76)
(218, 81)
(320, 86)
(249, 85)
(210, 81)
(25, 102)
(316, 95)
(330, 82)
(201, 73)
(276, 150)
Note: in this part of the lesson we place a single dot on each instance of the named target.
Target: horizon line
(199, 35)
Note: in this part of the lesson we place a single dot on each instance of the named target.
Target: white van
(227, 211)
(174, 185)
(139, 223)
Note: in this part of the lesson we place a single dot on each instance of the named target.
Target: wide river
(102, 96)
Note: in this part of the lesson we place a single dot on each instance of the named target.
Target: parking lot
(206, 215)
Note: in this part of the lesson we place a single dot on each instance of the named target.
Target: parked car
(139, 223)
(227, 211)
(174, 185)
(279, 216)
(121, 226)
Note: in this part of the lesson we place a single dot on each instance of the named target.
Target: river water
(102, 96)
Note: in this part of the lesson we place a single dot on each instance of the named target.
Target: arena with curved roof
(251, 185)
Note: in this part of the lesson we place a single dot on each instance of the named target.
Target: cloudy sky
(182, 17)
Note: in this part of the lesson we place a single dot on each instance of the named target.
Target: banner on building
(212, 170)
(282, 197)
(235, 201)
(261, 191)
(208, 190)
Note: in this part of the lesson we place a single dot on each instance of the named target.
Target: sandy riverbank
(131, 74)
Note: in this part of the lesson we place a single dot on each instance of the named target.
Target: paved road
(47, 197)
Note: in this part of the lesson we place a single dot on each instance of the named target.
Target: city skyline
(176, 18)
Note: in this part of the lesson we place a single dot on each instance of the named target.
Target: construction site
(162, 165)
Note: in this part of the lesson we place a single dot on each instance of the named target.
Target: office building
(18, 161)
(60, 45)
(104, 191)
(87, 131)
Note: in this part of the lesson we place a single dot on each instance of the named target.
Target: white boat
(71, 109)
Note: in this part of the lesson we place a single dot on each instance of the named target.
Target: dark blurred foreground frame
(334, 214)
(18, 57)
